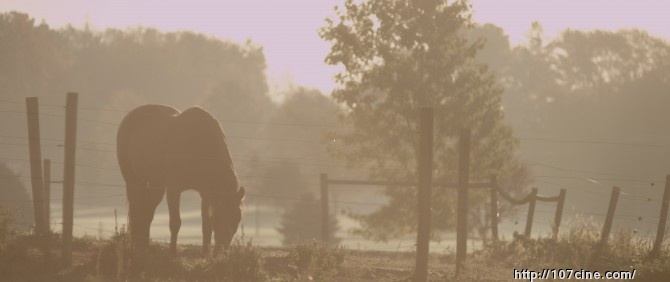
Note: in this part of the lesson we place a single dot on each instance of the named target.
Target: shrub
(300, 223)
(8, 230)
(317, 260)
(20, 257)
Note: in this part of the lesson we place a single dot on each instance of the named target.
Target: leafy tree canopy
(399, 56)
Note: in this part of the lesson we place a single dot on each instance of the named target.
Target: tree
(305, 115)
(296, 154)
(532, 83)
(32, 56)
(398, 56)
(495, 52)
(16, 201)
(599, 59)
(280, 180)
(583, 80)
(302, 222)
(598, 86)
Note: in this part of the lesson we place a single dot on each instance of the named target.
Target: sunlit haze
(215, 128)
(288, 30)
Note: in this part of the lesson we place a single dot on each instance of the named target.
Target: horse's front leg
(173, 197)
(205, 211)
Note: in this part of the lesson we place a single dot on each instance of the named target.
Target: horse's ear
(241, 193)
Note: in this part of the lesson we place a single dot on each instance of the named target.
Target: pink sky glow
(287, 30)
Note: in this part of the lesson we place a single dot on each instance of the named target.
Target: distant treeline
(591, 84)
(595, 85)
(589, 108)
(277, 145)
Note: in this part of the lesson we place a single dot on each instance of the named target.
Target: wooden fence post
(559, 213)
(462, 212)
(425, 167)
(494, 208)
(47, 193)
(257, 230)
(610, 215)
(35, 152)
(68, 175)
(660, 233)
(324, 209)
(531, 212)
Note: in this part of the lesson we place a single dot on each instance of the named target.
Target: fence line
(424, 184)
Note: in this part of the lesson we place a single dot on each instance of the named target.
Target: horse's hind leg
(206, 224)
(154, 195)
(173, 197)
(137, 215)
(143, 199)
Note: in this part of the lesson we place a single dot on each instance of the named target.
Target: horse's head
(226, 217)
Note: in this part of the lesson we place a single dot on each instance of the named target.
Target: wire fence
(316, 162)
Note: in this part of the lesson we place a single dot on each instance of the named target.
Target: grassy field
(21, 259)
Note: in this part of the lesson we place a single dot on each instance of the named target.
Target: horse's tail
(125, 165)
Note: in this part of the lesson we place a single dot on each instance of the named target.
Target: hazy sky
(288, 29)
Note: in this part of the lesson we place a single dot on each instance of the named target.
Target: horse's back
(141, 142)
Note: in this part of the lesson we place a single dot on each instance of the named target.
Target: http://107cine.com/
(552, 274)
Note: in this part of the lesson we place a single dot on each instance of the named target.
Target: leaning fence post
(494, 208)
(610, 215)
(35, 154)
(559, 212)
(324, 209)
(531, 212)
(660, 233)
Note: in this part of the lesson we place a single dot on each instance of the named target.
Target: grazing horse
(164, 151)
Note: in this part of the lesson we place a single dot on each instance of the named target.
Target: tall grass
(240, 262)
(580, 248)
(577, 248)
